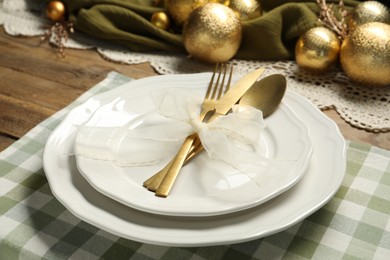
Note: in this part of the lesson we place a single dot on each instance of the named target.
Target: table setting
(293, 214)
(261, 173)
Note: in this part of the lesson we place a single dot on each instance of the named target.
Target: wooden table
(35, 83)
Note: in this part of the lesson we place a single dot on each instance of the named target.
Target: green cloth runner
(354, 224)
(271, 36)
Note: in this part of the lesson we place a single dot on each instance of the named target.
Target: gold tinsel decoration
(212, 33)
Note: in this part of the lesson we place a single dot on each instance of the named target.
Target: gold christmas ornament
(55, 11)
(161, 20)
(369, 11)
(245, 9)
(179, 10)
(317, 49)
(365, 54)
(212, 33)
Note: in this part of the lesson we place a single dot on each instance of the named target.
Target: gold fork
(213, 94)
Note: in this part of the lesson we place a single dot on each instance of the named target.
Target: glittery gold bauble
(161, 20)
(317, 49)
(245, 9)
(369, 11)
(179, 10)
(213, 33)
(55, 11)
(365, 54)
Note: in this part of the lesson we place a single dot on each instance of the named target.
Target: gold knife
(223, 106)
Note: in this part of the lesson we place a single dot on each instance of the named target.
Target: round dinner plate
(204, 187)
(322, 179)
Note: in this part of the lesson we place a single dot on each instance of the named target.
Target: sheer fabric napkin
(233, 139)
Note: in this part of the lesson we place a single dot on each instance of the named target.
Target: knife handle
(170, 177)
(154, 182)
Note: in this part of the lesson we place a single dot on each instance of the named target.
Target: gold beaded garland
(161, 20)
(55, 10)
(365, 54)
(317, 49)
(368, 11)
(213, 33)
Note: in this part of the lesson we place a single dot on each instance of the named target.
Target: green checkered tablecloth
(355, 224)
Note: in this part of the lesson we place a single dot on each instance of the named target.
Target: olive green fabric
(271, 36)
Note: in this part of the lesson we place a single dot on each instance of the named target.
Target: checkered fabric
(355, 224)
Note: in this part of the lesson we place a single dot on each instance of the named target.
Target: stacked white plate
(211, 203)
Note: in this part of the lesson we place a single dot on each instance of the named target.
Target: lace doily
(361, 106)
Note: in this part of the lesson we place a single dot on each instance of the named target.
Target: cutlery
(265, 95)
(208, 105)
(222, 107)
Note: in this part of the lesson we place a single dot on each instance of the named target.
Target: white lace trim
(361, 106)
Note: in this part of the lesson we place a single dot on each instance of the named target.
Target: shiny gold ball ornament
(161, 20)
(317, 49)
(368, 11)
(55, 11)
(245, 9)
(365, 54)
(212, 33)
(180, 10)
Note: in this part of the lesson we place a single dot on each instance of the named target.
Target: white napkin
(233, 139)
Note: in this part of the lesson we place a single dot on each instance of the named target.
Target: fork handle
(154, 182)
(170, 177)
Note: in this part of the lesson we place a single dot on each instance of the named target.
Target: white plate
(204, 187)
(322, 179)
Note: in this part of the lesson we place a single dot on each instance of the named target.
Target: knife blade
(237, 91)
(223, 106)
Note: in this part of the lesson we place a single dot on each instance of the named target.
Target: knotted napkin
(157, 136)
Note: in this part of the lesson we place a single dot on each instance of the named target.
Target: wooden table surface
(35, 83)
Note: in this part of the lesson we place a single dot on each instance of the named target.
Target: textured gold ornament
(179, 10)
(369, 11)
(317, 49)
(55, 11)
(365, 54)
(245, 9)
(213, 33)
(161, 20)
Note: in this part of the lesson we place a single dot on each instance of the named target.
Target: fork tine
(210, 87)
(221, 86)
(230, 79)
(227, 87)
(215, 87)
